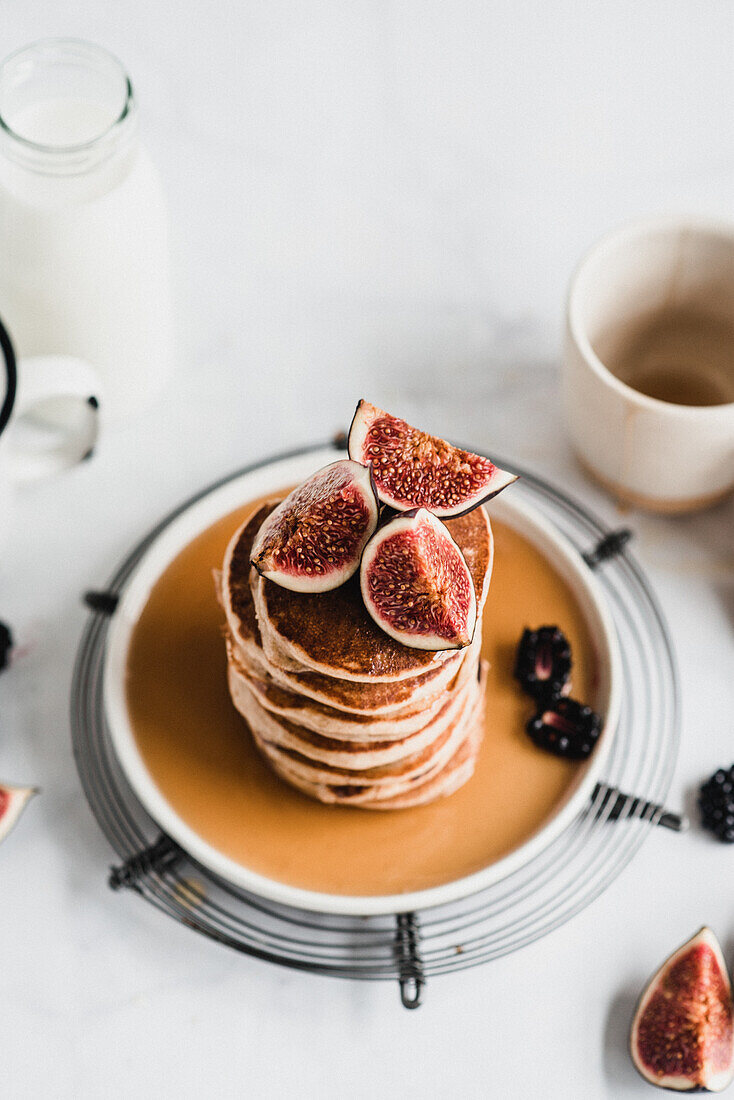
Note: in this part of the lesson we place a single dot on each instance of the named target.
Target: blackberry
(6, 644)
(565, 728)
(716, 803)
(543, 663)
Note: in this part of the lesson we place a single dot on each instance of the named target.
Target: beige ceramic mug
(651, 453)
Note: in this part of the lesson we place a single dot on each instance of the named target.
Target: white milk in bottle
(84, 266)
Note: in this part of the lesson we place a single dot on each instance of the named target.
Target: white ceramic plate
(269, 478)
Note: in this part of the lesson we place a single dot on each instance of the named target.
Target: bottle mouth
(85, 81)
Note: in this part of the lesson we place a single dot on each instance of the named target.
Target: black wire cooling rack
(412, 947)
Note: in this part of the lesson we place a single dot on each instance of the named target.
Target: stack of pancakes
(338, 708)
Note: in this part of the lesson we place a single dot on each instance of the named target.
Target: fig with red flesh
(313, 540)
(412, 469)
(13, 800)
(683, 1030)
(416, 584)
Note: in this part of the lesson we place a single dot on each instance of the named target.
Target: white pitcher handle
(55, 419)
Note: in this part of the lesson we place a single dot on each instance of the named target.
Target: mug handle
(57, 396)
(11, 377)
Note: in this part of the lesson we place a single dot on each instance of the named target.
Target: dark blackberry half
(6, 644)
(716, 803)
(543, 663)
(565, 728)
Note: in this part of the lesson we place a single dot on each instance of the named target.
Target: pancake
(434, 784)
(389, 776)
(344, 695)
(334, 723)
(350, 644)
(348, 753)
(453, 776)
(331, 633)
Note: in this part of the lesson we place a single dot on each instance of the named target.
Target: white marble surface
(379, 198)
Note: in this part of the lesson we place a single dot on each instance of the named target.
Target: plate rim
(171, 537)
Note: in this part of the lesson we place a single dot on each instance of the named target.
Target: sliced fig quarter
(416, 584)
(313, 540)
(683, 1030)
(13, 800)
(412, 469)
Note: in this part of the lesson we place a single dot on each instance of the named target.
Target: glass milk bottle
(84, 266)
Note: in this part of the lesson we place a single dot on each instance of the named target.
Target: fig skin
(13, 800)
(440, 589)
(421, 470)
(695, 1052)
(313, 540)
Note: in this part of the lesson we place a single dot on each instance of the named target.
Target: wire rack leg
(410, 966)
(104, 603)
(608, 547)
(162, 855)
(615, 804)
